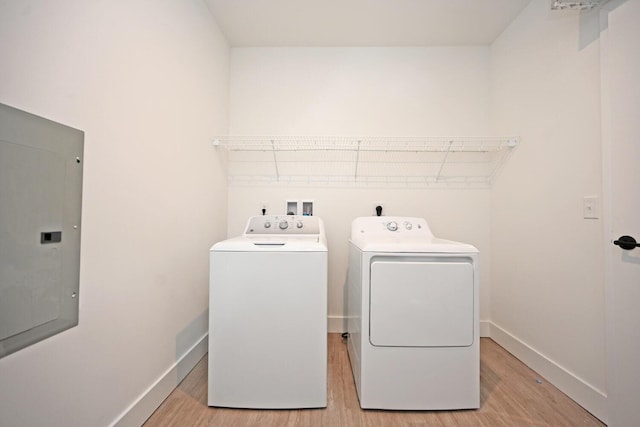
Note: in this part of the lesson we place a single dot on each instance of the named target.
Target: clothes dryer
(268, 315)
(413, 323)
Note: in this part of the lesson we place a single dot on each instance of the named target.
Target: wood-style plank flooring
(509, 391)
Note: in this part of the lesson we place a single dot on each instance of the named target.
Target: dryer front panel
(421, 303)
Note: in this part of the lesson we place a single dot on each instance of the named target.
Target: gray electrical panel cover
(40, 212)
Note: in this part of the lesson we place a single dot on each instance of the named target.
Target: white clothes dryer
(412, 312)
(268, 315)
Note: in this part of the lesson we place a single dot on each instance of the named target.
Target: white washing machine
(268, 315)
(413, 323)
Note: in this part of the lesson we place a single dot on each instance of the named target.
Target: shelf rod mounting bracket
(355, 175)
(275, 159)
(444, 160)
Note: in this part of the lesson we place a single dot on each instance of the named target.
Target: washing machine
(412, 317)
(268, 316)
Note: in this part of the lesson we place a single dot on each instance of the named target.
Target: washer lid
(271, 244)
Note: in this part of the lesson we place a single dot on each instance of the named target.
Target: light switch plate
(590, 207)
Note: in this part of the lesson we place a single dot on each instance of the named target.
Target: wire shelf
(366, 161)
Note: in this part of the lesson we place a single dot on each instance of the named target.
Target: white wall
(364, 91)
(359, 91)
(148, 83)
(547, 292)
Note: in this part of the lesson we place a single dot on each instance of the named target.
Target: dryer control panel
(381, 226)
(283, 224)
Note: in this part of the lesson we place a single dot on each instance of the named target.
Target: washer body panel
(268, 323)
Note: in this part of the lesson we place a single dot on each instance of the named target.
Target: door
(421, 303)
(621, 142)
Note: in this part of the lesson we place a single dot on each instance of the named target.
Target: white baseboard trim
(587, 396)
(336, 324)
(136, 414)
(485, 329)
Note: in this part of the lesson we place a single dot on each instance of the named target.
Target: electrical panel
(40, 210)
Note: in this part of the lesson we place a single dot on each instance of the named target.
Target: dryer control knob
(408, 225)
(283, 225)
(392, 226)
(267, 224)
(299, 224)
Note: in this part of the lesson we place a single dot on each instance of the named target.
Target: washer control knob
(283, 225)
(392, 226)
(267, 224)
(299, 224)
(408, 225)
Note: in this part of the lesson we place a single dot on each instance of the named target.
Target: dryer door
(421, 303)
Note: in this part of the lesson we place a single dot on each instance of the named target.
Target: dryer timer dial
(392, 226)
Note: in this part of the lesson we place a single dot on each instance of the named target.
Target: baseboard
(587, 396)
(485, 329)
(336, 324)
(136, 414)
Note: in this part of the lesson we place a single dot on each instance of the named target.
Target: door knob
(626, 243)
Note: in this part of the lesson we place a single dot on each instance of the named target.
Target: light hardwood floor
(509, 393)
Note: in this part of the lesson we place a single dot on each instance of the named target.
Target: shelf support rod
(275, 160)
(355, 175)
(444, 160)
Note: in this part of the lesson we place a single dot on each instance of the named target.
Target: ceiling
(363, 22)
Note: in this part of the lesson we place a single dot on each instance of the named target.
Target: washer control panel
(282, 224)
